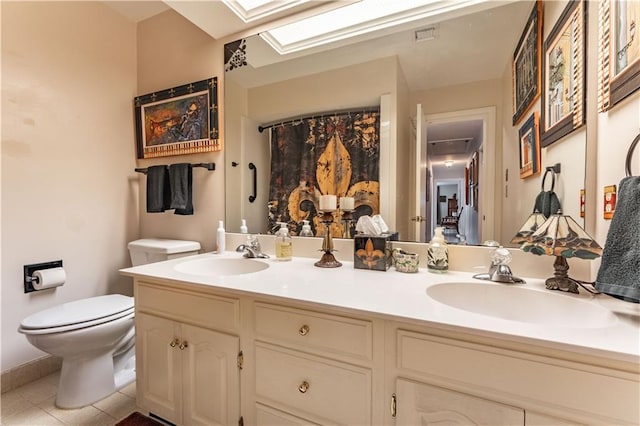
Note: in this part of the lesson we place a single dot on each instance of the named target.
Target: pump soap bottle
(438, 253)
(284, 243)
(306, 229)
(243, 227)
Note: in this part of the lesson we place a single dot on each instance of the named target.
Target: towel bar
(208, 166)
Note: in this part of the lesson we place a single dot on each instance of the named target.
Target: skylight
(251, 10)
(355, 19)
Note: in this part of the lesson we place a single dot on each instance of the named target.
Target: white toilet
(95, 337)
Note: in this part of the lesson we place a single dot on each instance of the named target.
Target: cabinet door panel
(422, 404)
(158, 366)
(211, 377)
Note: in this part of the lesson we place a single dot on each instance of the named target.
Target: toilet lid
(79, 311)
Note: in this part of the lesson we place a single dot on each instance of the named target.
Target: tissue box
(373, 251)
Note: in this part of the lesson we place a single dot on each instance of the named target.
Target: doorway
(449, 206)
(458, 142)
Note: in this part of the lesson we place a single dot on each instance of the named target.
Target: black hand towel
(619, 273)
(180, 176)
(158, 190)
(547, 203)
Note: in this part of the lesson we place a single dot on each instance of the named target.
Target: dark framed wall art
(179, 120)
(530, 147)
(619, 59)
(563, 98)
(526, 66)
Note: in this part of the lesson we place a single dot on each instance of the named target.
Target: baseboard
(29, 372)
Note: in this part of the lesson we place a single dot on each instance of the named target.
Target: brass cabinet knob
(174, 342)
(304, 330)
(183, 345)
(304, 387)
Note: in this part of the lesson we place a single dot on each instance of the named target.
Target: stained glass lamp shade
(531, 225)
(562, 237)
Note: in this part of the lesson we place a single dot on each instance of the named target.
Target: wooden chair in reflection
(452, 219)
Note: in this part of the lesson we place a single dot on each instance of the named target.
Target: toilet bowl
(95, 337)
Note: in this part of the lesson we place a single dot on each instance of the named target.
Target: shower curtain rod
(319, 115)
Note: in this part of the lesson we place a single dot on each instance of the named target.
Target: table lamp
(562, 237)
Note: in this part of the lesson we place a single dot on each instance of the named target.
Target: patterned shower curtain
(336, 154)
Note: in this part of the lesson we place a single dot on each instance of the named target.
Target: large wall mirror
(447, 144)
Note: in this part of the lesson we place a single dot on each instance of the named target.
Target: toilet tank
(149, 250)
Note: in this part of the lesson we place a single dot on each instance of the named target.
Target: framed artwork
(474, 177)
(176, 121)
(466, 185)
(563, 100)
(619, 59)
(530, 147)
(526, 67)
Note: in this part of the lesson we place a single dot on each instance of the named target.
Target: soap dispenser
(284, 243)
(438, 253)
(306, 229)
(243, 227)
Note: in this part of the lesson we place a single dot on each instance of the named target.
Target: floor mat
(138, 419)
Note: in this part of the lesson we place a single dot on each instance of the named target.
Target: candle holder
(347, 220)
(327, 260)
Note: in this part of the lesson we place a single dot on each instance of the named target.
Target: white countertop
(396, 295)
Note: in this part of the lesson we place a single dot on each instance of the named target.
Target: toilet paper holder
(30, 269)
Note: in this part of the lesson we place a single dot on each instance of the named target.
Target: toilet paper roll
(48, 278)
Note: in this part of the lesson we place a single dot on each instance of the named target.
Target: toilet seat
(78, 314)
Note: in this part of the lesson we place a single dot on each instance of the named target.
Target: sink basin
(516, 303)
(220, 267)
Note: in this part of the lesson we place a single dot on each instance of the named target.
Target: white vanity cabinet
(473, 380)
(312, 367)
(311, 363)
(187, 371)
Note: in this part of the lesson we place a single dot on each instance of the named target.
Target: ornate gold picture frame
(530, 147)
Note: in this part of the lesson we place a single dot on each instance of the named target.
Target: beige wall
(68, 187)
(405, 156)
(172, 52)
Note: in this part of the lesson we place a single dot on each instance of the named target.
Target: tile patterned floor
(33, 405)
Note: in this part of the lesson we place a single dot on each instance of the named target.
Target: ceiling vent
(425, 34)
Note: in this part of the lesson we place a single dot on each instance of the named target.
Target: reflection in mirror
(448, 152)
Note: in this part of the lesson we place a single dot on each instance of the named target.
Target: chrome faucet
(252, 248)
(499, 271)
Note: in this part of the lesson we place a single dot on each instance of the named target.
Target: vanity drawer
(314, 330)
(338, 392)
(192, 307)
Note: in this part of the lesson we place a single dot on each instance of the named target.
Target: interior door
(420, 218)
